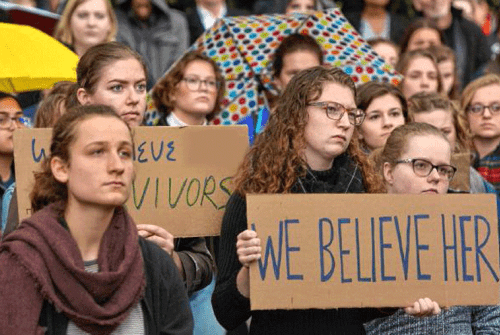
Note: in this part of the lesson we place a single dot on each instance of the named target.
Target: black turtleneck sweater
(231, 308)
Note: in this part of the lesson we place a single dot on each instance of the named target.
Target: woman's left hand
(423, 307)
(164, 240)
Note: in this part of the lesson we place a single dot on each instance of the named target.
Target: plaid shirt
(457, 320)
(489, 168)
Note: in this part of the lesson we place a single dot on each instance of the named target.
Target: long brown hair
(61, 98)
(98, 57)
(275, 161)
(168, 84)
(444, 53)
(424, 102)
(415, 25)
(47, 189)
(406, 59)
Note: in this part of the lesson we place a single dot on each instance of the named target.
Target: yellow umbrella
(32, 60)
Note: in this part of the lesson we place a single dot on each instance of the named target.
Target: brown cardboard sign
(373, 250)
(183, 175)
(461, 180)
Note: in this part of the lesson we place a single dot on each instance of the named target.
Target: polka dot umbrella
(243, 48)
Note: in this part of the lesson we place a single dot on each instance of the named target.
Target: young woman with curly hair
(305, 148)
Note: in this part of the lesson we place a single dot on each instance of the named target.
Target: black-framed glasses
(194, 83)
(478, 109)
(423, 168)
(335, 111)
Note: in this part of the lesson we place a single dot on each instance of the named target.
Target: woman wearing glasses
(190, 95)
(437, 110)
(416, 160)
(481, 105)
(305, 148)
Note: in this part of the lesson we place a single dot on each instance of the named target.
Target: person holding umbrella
(305, 148)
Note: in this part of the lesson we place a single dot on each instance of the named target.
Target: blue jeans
(203, 314)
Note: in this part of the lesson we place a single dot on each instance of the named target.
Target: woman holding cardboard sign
(190, 94)
(77, 266)
(416, 160)
(305, 148)
(112, 74)
(439, 111)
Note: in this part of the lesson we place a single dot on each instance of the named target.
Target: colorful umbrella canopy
(243, 48)
(32, 60)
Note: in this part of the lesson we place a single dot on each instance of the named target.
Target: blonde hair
(471, 89)
(63, 28)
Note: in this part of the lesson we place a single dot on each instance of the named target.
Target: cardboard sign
(182, 174)
(461, 180)
(373, 250)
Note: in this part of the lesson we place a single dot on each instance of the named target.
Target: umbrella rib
(12, 85)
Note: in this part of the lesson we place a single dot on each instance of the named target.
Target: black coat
(165, 304)
(196, 26)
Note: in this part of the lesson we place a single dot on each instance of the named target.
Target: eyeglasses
(423, 168)
(335, 111)
(194, 83)
(479, 109)
(6, 121)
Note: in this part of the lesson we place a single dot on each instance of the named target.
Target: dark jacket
(196, 26)
(198, 263)
(161, 40)
(397, 27)
(475, 51)
(231, 308)
(165, 305)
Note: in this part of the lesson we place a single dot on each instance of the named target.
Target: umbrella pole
(13, 89)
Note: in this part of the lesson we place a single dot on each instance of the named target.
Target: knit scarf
(343, 177)
(95, 302)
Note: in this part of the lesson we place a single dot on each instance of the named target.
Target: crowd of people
(84, 265)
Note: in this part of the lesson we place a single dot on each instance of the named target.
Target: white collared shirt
(174, 121)
(206, 17)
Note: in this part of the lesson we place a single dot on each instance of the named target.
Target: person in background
(447, 65)
(85, 23)
(158, 33)
(385, 49)
(375, 21)
(287, 6)
(205, 14)
(80, 263)
(420, 71)
(463, 36)
(11, 118)
(189, 95)
(61, 98)
(439, 111)
(385, 108)
(416, 159)
(296, 52)
(481, 106)
(421, 33)
(305, 148)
